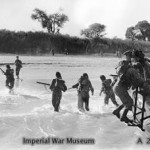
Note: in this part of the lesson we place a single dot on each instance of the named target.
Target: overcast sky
(117, 15)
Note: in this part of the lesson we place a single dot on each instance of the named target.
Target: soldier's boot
(116, 112)
(124, 116)
(86, 106)
(56, 109)
(116, 104)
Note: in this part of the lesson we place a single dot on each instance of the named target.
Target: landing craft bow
(139, 112)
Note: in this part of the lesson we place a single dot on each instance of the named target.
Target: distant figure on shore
(118, 53)
(9, 73)
(108, 91)
(57, 86)
(84, 86)
(53, 52)
(66, 52)
(18, 64)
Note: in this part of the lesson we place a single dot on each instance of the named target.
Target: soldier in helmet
(128, 77)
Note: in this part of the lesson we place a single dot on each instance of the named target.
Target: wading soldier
(107, 90)
(84, 86)
(18, 64)
(127, 77)
(57, 86)
(9, 78)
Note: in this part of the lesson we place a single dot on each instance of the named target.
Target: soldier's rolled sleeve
(75, 86)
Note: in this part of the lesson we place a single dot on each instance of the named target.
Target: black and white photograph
(74, 74)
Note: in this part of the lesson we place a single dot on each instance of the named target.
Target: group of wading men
(131, 73)
(9, 73)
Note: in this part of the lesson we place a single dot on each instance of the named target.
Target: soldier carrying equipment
(84, 86)
(9, 77)
(107, 90)
(57, 86)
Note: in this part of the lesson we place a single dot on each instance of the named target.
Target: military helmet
(102, 77)
(8, 66)
(58, 75)
(128, 53)
(85, 75)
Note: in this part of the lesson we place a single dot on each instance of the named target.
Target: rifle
(2, 70)
(70, 88)
(114, 75)
(43, 83)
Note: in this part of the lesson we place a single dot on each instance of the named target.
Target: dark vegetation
(38, 43)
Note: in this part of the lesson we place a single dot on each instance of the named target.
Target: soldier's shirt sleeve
(76, 85)
(91, 87)
(64, 86)
(103, 87)
(52, 85)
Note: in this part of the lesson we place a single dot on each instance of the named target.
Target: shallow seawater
(28, 113)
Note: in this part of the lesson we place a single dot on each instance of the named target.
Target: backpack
(61, 84)
(19, 63)
(107, 84)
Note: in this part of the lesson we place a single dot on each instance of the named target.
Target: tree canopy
(53, 22)
(94, 30)
(141, 31)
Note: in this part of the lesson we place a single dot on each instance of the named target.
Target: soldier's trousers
(17, 71)
(111, 96)
(9, 83)
(81, 101)
(125, 98)
(56, 98)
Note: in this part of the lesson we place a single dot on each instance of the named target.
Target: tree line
(37, 43)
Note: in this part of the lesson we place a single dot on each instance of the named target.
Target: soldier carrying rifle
(9, 77)
(107, 90)
(57, 86)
